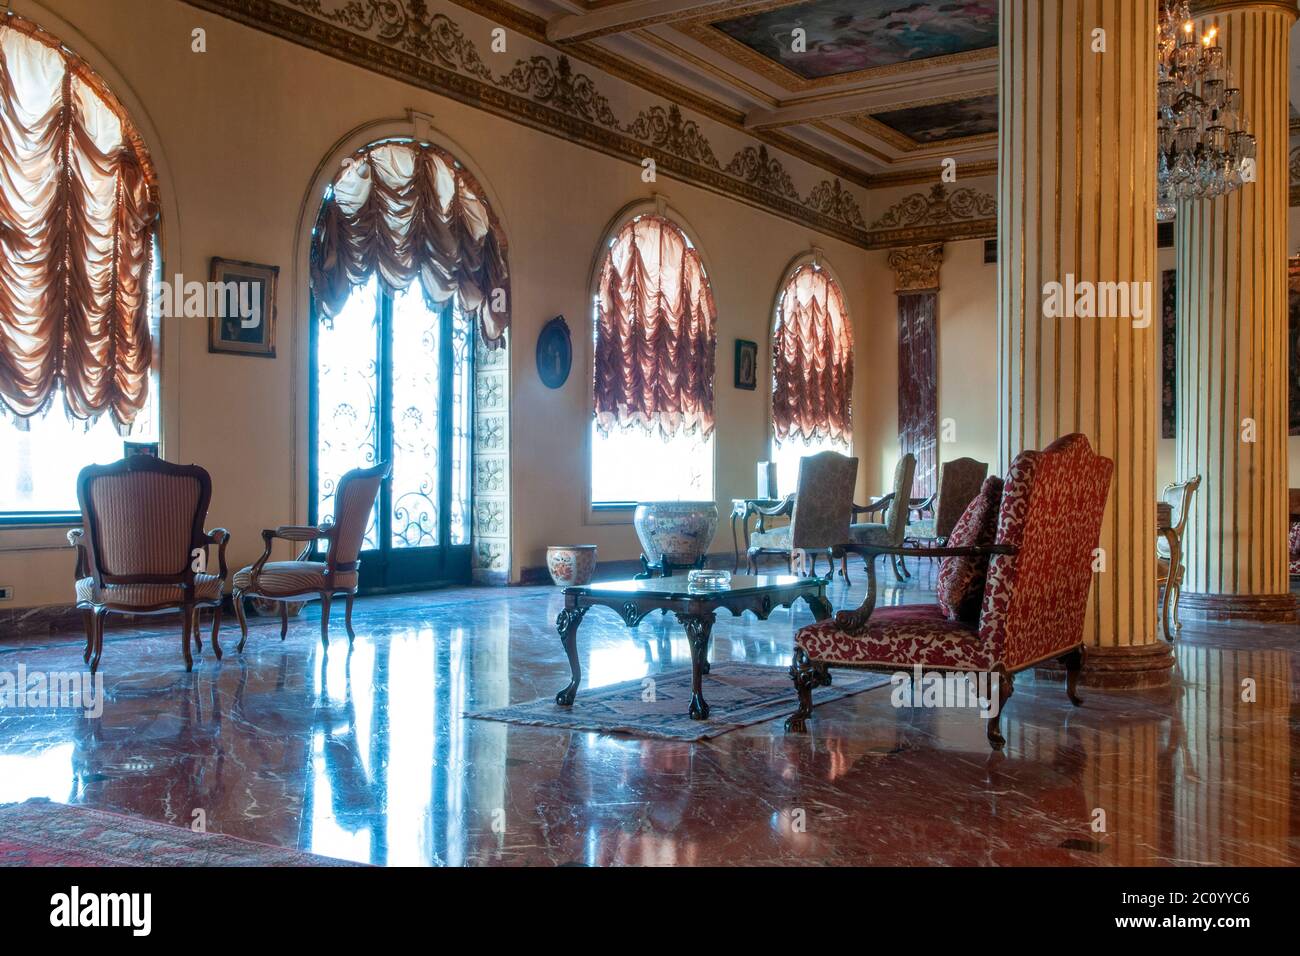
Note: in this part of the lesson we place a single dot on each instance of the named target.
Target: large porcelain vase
(680, 531)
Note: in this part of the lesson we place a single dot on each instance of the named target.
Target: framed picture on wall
(746, 364)
(241, 308)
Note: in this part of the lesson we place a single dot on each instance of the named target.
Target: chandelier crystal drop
(1205, 148)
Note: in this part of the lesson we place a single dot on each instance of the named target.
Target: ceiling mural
(848, 36)
(938, 122)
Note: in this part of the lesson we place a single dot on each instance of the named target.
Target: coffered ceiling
(886, 87)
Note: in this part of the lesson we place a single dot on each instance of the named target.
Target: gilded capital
(916, 268)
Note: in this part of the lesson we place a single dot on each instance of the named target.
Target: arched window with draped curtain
(78, 234)
(408, 275)
(812, 371)
(652, 384)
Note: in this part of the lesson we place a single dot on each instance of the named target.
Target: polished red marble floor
(364, 754)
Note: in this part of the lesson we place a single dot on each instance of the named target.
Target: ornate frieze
(405, 40)
(937, 216)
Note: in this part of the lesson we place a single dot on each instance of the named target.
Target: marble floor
(364, 754)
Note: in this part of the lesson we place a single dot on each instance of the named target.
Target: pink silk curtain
(78, 209)
(404, 211)
(812, 360)
(655, 333)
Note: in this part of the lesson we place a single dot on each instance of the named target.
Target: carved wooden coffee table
(696, 609)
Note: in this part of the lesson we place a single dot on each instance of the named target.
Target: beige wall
(243, 128)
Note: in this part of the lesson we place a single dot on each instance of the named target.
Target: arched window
(78, 226)
(655, 320)
(812, 371)
(408, 271)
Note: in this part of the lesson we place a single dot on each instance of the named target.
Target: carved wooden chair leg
(1005, 689)
(238, 600)
(284, 618)
(844, 568)
(325, 619)
(88, 622)
(97, 625)
(1074, 662)
(216, 630)
(1178, 599)
(347, 615)
(195, 632)
(187, 622)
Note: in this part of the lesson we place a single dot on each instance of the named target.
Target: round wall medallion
(554, 353)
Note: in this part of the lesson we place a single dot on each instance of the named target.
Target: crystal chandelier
(1205, 149)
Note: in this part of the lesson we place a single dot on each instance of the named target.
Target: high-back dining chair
(889, 533)
(820, 515)
(959, 483)
(289, 581)
(139, 547)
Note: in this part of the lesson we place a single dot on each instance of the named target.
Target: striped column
(1232, 344)
(1076, 205)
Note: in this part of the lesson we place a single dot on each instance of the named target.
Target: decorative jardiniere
(674, 534)
(571, 564)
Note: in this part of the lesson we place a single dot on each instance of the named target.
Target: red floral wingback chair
(1035, 591)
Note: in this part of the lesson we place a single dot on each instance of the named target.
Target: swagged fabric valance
(404, 211)
(655, 333)
(78, 210)
(812, 360)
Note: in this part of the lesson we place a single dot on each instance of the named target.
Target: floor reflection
(363, 753)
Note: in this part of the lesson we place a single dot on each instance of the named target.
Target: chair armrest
(786, 507)
(920, 507)
(291, 532)
(83, 564)
(880, 504)
(220, 537)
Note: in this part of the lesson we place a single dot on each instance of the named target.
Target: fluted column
(1232, 348)
(1076, 205)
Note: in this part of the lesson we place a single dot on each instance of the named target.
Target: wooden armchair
(301, 579)
(142, 548)
(819, 513)
(959, 483)
(873, 538)
(1024, 606)
(1178, 496)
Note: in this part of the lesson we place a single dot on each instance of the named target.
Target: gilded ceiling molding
(916, 268)
(1206, 7)
(402, 40)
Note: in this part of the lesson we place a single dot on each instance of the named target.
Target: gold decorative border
(943, 232)
(869, 124)
(936, 216)
(702, 30)
(545, 95)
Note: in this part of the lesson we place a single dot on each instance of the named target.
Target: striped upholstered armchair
(1012, 593)
(142, 548)
(286, 582)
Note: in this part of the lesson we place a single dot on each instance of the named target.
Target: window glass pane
(629, 465)
(462, 338)
(347, 374)
(417, 338)
(787, 454)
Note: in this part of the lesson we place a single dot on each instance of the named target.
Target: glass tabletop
(678, 587)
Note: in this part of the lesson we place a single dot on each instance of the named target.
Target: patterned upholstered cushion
(922, 529)
(286, 578)
(1035, 601)
(778, 539)
(207, 587)
(899, 637)
(1294, 542)
(871, 533)
(961, 579)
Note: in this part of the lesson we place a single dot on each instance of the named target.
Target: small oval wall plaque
(554, 353)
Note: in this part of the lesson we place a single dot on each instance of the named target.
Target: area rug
(41, 833)
(738, 695)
